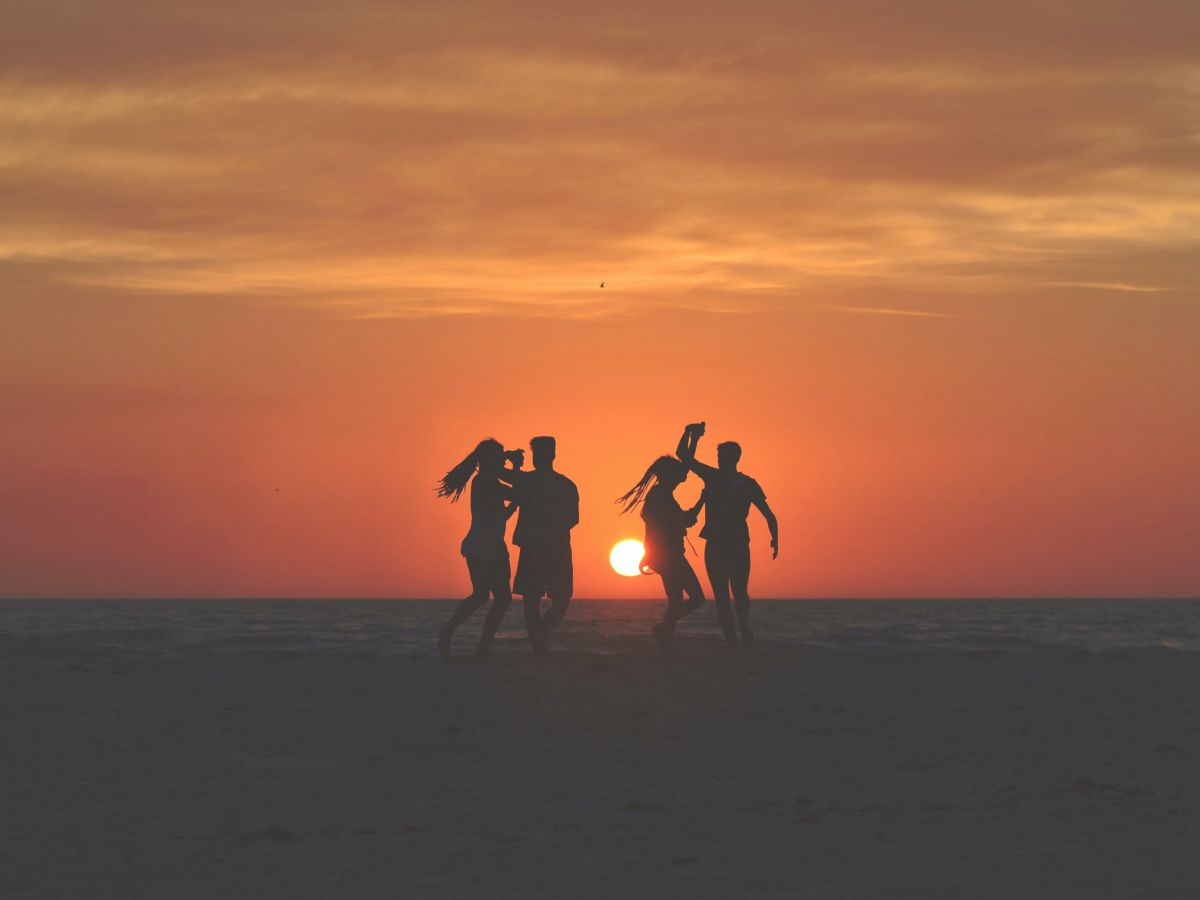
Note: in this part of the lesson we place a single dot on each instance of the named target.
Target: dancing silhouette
(666, 524)
(484, 546)
(728, 495)
(549, 503)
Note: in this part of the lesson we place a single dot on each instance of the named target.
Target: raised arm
(686, 451)
(513, 473)
(772, 523)
(511, 476)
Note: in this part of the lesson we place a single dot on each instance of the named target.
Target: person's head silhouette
(544, 448)
(491, 457)
(666, 470)
(488, 457)
(670, 471)
(728, 455)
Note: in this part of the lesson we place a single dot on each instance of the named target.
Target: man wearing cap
(549, 509)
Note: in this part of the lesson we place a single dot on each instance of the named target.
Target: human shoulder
(751, 487)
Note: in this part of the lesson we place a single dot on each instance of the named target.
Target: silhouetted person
(728, 495)
(484, 546)
(549, 504)
(666, 524)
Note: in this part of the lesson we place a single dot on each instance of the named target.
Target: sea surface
(408, 627)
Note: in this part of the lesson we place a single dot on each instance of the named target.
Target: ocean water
(409, 627)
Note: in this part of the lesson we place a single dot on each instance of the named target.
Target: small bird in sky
(602, 284)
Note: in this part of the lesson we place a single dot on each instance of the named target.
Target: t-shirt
(727, 500)
(666, 524)
(489, 519)
(549, 509)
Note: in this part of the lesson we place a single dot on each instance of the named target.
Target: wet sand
(777, 774)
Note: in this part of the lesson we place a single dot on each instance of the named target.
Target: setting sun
(626, 557)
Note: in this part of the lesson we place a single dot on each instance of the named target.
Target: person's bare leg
(718, 577)
(462, 612)
(554, 614)
(491, 624)
(691, 585)
(739, 577)
(497, 580)
(480, 588)
(534, 624)
(725, 617)
(665, 630)
(741, 606)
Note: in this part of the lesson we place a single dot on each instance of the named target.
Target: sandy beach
(777, 774)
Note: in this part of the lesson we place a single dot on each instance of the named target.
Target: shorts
(545, 571)
(490, 575)
(663, 562)
(728, 564)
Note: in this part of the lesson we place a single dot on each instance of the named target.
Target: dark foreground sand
(779, 775)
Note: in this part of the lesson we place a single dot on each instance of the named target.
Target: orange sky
(935, 267)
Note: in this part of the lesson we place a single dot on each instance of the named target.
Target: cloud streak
(407, 162)
(889, 311)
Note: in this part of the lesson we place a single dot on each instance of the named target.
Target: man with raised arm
(549, 509)
(728, 496)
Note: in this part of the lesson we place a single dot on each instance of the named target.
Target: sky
(268, 270)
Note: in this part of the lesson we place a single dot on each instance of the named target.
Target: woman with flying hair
(492, 503)
(666, 525)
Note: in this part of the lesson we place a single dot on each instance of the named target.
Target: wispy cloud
(888, 311)
(1108, 286)
(384, 157)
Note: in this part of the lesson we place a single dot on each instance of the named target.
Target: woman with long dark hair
(666, 525)
(484, 547)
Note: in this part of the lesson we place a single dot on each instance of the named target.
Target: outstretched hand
(775, 549)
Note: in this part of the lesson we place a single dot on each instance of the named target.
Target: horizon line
(800, 599)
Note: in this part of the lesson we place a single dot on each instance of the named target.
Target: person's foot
(483, 651)
(747, 636)
(444, 635)
(663, 636)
